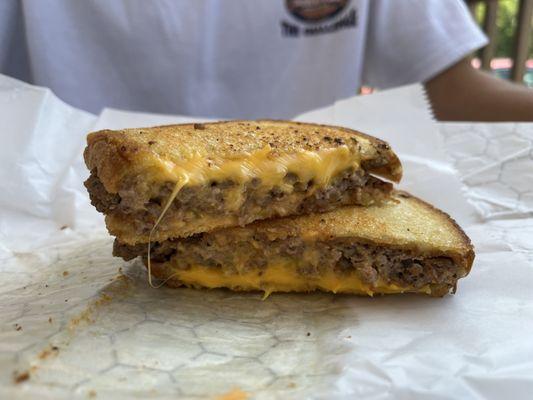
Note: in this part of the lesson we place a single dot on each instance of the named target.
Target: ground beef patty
(144, 204)
(370, 262)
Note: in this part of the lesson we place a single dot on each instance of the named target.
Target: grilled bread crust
(114, 153)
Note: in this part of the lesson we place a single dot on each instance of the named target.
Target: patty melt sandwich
(194, 178)
(401, 245)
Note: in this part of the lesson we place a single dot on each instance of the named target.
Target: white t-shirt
(229, 58)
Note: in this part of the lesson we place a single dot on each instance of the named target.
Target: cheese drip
(282, 276)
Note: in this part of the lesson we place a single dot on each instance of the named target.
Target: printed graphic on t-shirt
(314, 17)
(315, 10)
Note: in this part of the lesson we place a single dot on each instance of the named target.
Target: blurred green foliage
(506, 22)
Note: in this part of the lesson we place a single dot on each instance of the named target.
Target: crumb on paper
(19, 377)
(50, 319)
(65, 273)
(308, 333)
(63, 227)
(119, 288)
(91, 394)
(47, 352)
(291, 385)
(349, 337)
(18, 327)
(86, 316)
(234, 394)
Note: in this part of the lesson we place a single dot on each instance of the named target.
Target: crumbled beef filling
(137, 201)
(369, 262)
(101, 199)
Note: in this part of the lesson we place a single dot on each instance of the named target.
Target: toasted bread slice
(403, 245)
(230, 173)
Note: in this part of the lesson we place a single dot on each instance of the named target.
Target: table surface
(77, 323)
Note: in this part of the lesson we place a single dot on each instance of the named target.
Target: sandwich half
(402, 245)
(195, 178)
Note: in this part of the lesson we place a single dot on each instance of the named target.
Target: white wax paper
(77, 323)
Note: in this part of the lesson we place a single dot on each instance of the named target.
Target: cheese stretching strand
(182, 181)
(236, 172)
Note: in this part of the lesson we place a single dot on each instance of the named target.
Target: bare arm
(462, 93)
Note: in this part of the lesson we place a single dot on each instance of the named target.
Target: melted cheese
(320, 166)
(198, 169)
(283, 277)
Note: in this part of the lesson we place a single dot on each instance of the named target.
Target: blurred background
(509, 26)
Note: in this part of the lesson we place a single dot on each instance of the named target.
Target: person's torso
(233, 58)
